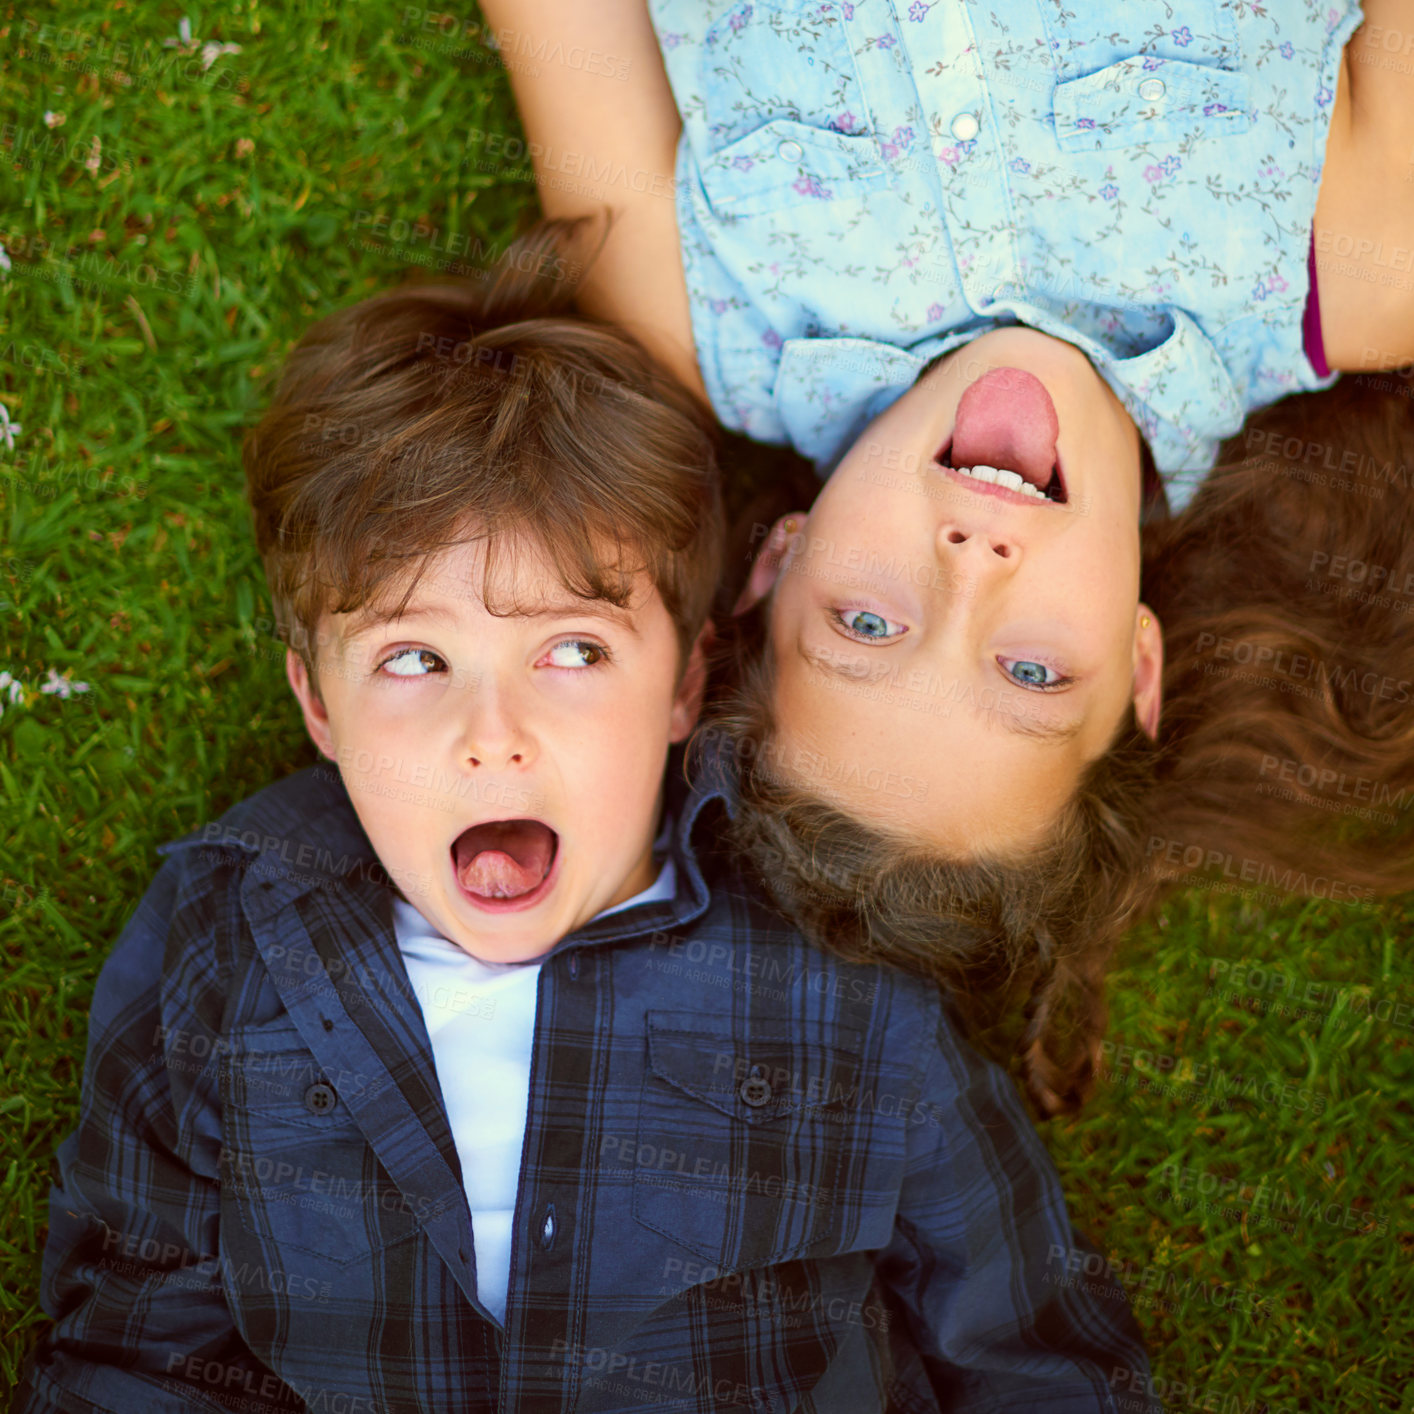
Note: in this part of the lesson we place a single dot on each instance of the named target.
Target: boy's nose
(494, 737)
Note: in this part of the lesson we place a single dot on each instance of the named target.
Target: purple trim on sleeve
(1311, 320)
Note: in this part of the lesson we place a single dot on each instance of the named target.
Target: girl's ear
(316, 716)
(1148, 671)
(769, 560)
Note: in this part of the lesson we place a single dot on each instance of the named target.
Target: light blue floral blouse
(863, 186)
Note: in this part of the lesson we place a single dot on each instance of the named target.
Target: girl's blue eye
(408, 662)
(869, 626)
(1033, 675)
(577, 653)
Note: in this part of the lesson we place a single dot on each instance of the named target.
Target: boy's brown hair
(480, 408)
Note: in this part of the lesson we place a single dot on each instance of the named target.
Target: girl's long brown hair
(1285, 756)
(1288, 721)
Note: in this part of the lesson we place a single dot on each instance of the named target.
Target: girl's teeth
(1012, 480)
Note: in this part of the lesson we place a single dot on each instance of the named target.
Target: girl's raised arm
(1364, 224)
(602, 131)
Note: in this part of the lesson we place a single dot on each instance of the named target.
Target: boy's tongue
(505, 858)
(1006, 419)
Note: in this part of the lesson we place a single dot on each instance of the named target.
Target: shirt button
(790, 150)
(755, 1091)
(965, 127)
(574, 967)
(548, 1228)
(1151, 89)
(319, 1099)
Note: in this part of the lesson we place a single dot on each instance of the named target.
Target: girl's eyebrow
(1027, 724)
(1020, 724)
(825, 662)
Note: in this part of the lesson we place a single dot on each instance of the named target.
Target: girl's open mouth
(1047, 488)
(1005, 439)
(505, 865)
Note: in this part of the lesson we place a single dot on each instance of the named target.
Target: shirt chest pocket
(1146, 72)
(789, 164)
(297, 1172)
(785, 121)
(743, 1146)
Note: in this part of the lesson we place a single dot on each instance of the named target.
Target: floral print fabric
(864, 186)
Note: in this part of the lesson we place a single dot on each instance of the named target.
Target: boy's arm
(132, 1274)
(602, 126)
(1010, 1307)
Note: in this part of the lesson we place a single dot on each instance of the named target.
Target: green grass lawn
(1246, 1166)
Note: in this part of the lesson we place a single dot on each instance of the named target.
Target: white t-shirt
(480, 1017)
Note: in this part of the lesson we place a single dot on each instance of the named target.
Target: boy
(469, 1075)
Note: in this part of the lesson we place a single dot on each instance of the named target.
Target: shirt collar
(302, 833)
(694, 781)
(829, 390)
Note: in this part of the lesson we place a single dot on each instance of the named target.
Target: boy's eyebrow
(593, 608)
(372, 620)
(559, 609)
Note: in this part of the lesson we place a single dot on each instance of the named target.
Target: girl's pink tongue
(1006, 420)
(504, 859)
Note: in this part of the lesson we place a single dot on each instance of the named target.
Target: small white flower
(91, 162)
(62, 685)
(53, 119)
(210, 53)
(8, 428)
(4, 261)
(184, 39)
(12, 688)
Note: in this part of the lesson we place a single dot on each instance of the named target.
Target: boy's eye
(409, 662)
(577, 653)
(866, 625)
(1026, 673)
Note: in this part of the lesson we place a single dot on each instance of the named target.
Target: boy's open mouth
(504, 861)
(1004, 435)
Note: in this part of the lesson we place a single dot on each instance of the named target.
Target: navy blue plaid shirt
(754, 1176)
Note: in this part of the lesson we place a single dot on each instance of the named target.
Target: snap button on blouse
(755, 1090)
(790, 150)
(965, 127)
(548, 1228)
(319, 1098)
(573, 966)
(1151, 89)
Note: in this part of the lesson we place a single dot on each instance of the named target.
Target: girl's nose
(956, 538)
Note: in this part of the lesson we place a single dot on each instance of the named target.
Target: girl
(986, 270)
